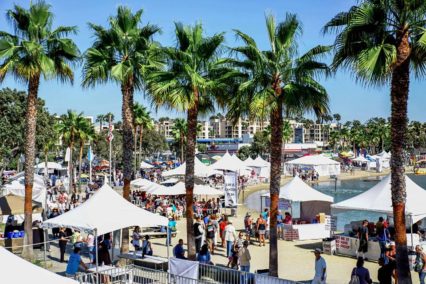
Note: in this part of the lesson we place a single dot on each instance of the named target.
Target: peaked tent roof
(257, 163)
(378, 199)
(313, 160)
(144, 184)
(200, 169)
(22, 271)
(179, 189)
(228, 163)
(248, 161)
(50, 165)
(145, 165)
(361, 159)
(17, 187)
(298, 190)
(105, 212)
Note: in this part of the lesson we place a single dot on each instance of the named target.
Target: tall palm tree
(35, 49)
(68, 127)
(121, 53)
(280, 81)
(86, 133)
(179, 132)
(381, 41)
(142, 121)
(189, 83)
(100, 119)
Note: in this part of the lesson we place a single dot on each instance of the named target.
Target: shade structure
(322, 165)
(18, 270)
(179, 189)
(260, 162)
(16, 186)
(105, 212)
(360, 159)
(200, 170)
(145, 165)
(50, 165)
(249, 161)
(228, 163)
(144, 184)
(379, 199)
(298, 191)
(170, 181)
(14, 205)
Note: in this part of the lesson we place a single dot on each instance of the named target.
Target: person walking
(248, 223)
(383, 237)
(171, 230)
(320, 268)
(420, 264)
(361, 273)
(222, 224)
(198, 234)
(363, 239)
(210, 234)
(230, 237)
(244, 257)
(261, 229)
(280, 225)
(62, 243)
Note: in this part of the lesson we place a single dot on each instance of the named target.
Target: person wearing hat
(320, 268)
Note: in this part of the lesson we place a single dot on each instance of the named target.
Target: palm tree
(122, 53)
(381, 41)
(100, 119)
(189, 83)
(68, 127)
(142, 121)
(280, 81)
(86, 133)
(35, 50)
(179, 132)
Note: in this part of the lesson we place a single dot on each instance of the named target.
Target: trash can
(329, 246)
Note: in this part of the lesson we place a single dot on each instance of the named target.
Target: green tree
(86, 134)
(179, 132)
(122, 53)
(142, 120)
(278, 81)
(381, 41)
(189, 82)
(100, 119)
(244, 152)
(35, 50)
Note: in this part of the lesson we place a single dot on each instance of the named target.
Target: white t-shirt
(320, 265)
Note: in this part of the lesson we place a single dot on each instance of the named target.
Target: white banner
(231, 189)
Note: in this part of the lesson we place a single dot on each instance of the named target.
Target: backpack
(210, 231)
(355, 279)
(196, 229)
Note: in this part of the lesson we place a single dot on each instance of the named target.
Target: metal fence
(208, 274)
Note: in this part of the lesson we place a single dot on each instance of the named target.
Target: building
(164, 127)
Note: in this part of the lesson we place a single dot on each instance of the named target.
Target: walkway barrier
(208, 274)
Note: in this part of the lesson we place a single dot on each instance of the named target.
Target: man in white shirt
(230, 237)
(320, 268)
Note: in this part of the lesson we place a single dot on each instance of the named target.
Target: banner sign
(231, 190)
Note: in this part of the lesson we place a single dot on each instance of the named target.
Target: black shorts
(363, 246)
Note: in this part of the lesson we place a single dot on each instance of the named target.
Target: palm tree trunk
(127, 113)
(80, 158)
(189, 174)
(30, 152)
(135, 156)
(140, 143)
(399, 97)
(181, 148)
(275, 179)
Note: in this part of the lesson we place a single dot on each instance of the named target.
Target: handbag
(355, 278)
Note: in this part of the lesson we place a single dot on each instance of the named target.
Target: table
(155, 262)
(115, 273)
(301, 232)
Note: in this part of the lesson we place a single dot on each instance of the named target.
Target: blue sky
(351, 100)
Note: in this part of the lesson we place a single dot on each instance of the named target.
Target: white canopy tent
(145, 165)
(179, 189)
(50, 165)
(298, 191)
(200, 170)
(17, 187)
(144, 184)
(260, 162)
(170, 181)
(18, 270)
(228, 163)
(360, 159)
(378, 199)
(104, 212)
(322, 165)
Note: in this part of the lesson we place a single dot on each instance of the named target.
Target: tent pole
(44, 246)
(168, 252)
(96, 251)
(411, 227)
